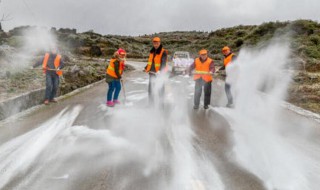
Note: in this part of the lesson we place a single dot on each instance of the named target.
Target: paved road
(132, 146)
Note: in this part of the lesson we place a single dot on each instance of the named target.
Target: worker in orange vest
(51, 65)
(229, 57)
(157, 63)
(114, 73)
(204, 68)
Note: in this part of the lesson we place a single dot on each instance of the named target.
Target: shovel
(123, 91)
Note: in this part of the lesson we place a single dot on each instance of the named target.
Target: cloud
(133, 17)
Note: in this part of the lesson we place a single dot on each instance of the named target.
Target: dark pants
(227, 88)
(151, 89)
(52, 84)
(114, 90)
(198, 91)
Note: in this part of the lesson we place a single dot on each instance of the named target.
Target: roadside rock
(82, 73)
(95, 51)
(75, 69)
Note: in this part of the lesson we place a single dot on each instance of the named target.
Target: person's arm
(116, 69)
(163, 60)
(145, 68)
(234, 57)
(107, 64)
(38, 63)
(212, 67)
(61, 64)
(222, 68)
(191, 67)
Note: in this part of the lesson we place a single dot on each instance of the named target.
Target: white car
(181, 61)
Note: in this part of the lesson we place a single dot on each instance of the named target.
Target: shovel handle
(48, 69)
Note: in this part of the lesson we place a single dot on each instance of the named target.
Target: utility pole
(0, 22)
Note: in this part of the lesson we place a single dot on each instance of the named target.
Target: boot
(53, 100)
(116, 101)
(46, 102)
(229, 105)
(110, 104)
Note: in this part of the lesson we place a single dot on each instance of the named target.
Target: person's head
(203, 54)
(226, 50)
(156, 42)
(53, 50)
(120, 54)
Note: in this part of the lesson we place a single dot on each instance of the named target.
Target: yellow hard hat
(203, 51)
(156, 39)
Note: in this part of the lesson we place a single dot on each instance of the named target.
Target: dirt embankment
(305, 90)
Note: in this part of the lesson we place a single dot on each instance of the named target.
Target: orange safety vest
(157, 61)
(111, 68)
(202, 70)
(56, 63)
(228, 59)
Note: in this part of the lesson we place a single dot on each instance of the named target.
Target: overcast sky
(134, 17)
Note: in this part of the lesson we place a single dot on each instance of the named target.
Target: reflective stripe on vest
(228, 59)
(202, 70)
(56, 63)
(111, 68)
(157, 61)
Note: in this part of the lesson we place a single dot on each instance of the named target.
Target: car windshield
(181, 55)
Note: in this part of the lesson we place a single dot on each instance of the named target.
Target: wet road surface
(210, 141)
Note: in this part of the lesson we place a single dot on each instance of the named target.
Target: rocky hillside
(305, 35)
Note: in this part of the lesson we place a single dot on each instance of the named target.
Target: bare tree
(4, 18)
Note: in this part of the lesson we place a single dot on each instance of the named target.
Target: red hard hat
(121, 51)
